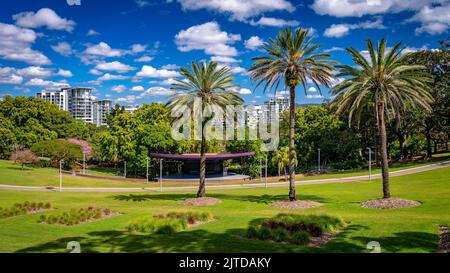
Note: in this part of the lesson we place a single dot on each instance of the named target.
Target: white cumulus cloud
(207, 37)
(253, 43)
(44, 17)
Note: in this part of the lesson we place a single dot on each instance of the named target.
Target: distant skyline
(129, 51)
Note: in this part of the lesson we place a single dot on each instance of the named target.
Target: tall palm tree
(214, 86)
(291, 59)
(383, 84)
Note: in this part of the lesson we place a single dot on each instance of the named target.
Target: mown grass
(400, 230)
(12, 174)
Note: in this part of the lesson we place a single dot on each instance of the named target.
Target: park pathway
(228, 187)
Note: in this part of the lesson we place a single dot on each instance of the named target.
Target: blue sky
(130, 50)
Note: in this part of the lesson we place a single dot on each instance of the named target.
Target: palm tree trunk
(383, 150)
(292, 194)
(201, 189)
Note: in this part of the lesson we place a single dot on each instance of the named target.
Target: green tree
(385, 84)
(281, 159)
(437, 122)
(291, 59)
(215, 88)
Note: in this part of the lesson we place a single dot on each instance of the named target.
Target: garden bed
(170, 223)
(203, 201)
(299, 204)
(77, 216)
(390, 203)
(24, 208)
(307, 230)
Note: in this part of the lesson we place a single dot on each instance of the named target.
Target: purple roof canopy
(197, 156)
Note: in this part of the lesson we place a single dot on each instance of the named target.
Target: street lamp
(266, 170)
(60, 175)
(147, 169)
(125, 170)
(370, 163)
(84, 162)
(318, 160)
(160, 175)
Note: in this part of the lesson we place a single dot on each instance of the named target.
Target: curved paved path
(246, 186)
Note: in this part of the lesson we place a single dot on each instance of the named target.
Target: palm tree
(214, 86)
(385, 85)
(281, 159)
(291, 59)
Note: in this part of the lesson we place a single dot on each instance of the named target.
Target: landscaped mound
(203, 201)
(312, 230)
(75, 217)
(170, 223)
(390, 203)
(24, 208)
(299, 204)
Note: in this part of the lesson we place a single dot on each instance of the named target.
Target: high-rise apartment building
(102, 108)
(80, 103)
(55, 97)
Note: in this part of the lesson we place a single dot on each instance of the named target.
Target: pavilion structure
(190, 167)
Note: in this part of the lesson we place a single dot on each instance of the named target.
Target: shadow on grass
(260, 199)
(405, 242)
(198, 240)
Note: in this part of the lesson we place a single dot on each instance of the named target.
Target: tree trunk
(383, 150)
(292, 194)
(201, 189)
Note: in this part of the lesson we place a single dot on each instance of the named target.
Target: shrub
(296, 229)
(76, 216)
(169, 223)
(23, 208)
(264, 233)
(280, 234)
(300, 238)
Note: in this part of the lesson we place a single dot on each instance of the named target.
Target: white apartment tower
(55, 97)
(102, 108)
(80, 103)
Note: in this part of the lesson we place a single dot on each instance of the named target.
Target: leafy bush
(75, 217)
(169, 223)
(348, 165)
(296, 229)
(23, 208)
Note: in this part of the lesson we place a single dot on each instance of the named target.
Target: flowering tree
(84, 145)
(24, 157)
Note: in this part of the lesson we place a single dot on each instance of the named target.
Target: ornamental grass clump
(294, 229)
(76, 216)
(24, 208)
(169, 223)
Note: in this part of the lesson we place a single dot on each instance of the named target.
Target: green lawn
(12, 174)
(402, 230)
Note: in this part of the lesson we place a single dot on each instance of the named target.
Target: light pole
(318, 160)
(125, 170)
(370, 163)
(266, 170)
(147, 169)
(84, 162)
(260, 169)
(60, 175)
(160, 175)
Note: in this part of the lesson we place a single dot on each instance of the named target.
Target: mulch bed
(203, 201)
(444, 240)
(390, 203)
(299, 204)
(324, 239)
